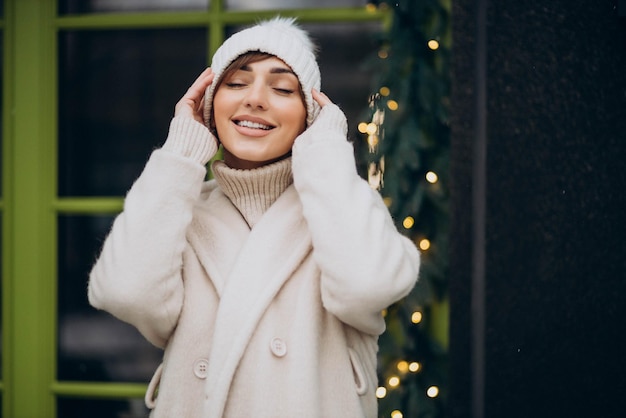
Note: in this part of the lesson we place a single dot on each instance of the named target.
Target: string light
(432, 177)
(403, 366)
(424, 244)
(414, 367)
(433, 44)
(384, 91)
(408, 222)
(372, 141)
(416, 317)
(432, 392)
(392, 105)
(396, 414)
(394, 381)
(383, 54)
(381, 392)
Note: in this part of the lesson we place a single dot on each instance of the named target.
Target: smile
(252, 125)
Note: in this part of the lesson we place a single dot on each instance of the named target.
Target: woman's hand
(192, 103)
(320, 98)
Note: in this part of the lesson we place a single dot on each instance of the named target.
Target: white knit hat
(280, 37)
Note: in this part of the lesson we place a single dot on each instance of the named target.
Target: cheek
(299, 116)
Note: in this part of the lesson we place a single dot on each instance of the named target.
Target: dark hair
(242, 60)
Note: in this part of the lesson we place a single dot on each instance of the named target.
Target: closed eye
(235, 85)
(284, 91)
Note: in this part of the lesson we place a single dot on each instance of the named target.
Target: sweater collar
(253, 191)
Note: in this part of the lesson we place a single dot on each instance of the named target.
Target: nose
(256, 97)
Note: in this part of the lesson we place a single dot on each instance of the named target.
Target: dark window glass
(100, 408)
(344, 52)
(291, 4)
(1, 107)
(93, 345)
(105, 6)
(117, 91)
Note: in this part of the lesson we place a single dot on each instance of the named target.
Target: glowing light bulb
(393, 381)
(382, 54)
(432, 177)
(414, 367)
(403, 366)
(433, 44)
(424, 244)
(372, 128)
(408, 222)
(362, 127)
(416, 317)
(384, 91)
(381, 392)
(432, 392)
(396, 414)
(392, 105)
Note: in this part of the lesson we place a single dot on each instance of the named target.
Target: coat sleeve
(366, 263)
(137, 276)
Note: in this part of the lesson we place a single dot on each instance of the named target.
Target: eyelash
(239, 85)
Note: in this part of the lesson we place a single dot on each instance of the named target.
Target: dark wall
(538, 261)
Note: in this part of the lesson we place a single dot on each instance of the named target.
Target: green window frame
(30, 205)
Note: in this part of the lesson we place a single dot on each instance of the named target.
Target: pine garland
(406, 154)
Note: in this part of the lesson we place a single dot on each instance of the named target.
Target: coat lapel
(274, 249)
(217, 234)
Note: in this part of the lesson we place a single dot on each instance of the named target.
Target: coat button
(201, 368)
(278, 347)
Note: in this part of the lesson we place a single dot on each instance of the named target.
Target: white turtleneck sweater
(253, 191)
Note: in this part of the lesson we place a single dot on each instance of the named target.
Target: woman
(264, 286)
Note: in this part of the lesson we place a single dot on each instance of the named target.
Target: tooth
(254, 125)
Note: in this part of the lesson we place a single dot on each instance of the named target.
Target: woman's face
(258, 113)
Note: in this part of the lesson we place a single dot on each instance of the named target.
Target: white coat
(280, 320)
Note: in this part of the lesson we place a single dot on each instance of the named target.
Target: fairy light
(432, 392)
(371, 128)
(372, 141)
(362, 127)
(384, 91)
(393, 382)
(414, 367)
(383, 54)
(424, 244)
(416, 317)
(408, 222)
(396, 414)
(381, 392)
(432, 177)
(433, 44)
(392, 105)
(403, 366)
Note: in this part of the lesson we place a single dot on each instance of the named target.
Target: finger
(320, 98)
(199, 86)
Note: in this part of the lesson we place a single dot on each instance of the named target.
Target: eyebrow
(274, 70)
